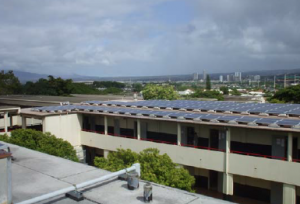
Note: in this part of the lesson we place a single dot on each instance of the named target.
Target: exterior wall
(67, 127)
(182, 155)
(255, 167)
(17, 120)
(266, 169)
(254, 136)
(252, 182)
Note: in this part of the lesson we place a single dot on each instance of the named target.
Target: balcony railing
(195, 146)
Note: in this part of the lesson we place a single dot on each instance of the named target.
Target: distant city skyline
(141, 38)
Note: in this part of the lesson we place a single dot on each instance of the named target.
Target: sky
(107, 38)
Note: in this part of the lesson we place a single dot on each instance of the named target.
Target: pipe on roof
(134, 167)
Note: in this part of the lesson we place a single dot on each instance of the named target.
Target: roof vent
(274, 125)
(196, 110)
(211, 111)
(228, 112)
(133, 180)
(145, 107)
(169, 108)
(252, 124)
(264, 114)
(148, 196)
(245, 113)
(182, 109)
(283, 115)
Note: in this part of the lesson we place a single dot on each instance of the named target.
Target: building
(204, 76)
(195, 77)
(241, 150)
(33, 174)
(238, 76)
(256, 78)
(221, 78)
(228, 78)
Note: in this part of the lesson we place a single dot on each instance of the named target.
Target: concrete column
(105, 153)
(289, 194)
(290, 147)
(44, 125)
(227, 177)
(179, 134)
(105, 125)
(138, 129)
(5, 121)
(24, 123)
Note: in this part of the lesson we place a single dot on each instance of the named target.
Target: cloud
(133, 37)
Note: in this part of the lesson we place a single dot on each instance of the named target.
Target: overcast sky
(148, 37)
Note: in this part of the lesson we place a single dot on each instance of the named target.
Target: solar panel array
(217, 106)
(206, 117)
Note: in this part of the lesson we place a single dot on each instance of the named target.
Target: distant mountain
(28, 76)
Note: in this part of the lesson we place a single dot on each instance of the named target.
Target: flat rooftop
(35, 174)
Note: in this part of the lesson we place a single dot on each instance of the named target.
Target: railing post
(179, 134)
(105, 125)
(24, 122)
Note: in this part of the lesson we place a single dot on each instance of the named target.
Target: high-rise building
(257, 78)
(195, 77)
(221, 78)
(228, 78)
(204, 75)
(238, 76)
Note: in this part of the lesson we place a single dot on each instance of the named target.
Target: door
(117, 127)
(279, 146)
(214, 139)
(144, 129)
(190, 135)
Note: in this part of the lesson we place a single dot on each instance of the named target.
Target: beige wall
(182, 155)
(266, 169)
(67, 127)
(255, 167)
(252, 182)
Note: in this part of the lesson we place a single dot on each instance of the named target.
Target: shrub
(43, 142)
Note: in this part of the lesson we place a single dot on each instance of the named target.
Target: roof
(9, 108)
(249, 115)
(35, 174)
(40, 100)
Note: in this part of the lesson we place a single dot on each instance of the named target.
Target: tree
(208, 83)
(152, 91)
(51, 86)
(43, 142)
(137, 87)
(208, 94)
(288, 95)
(154, 167)
(9, 83)
(235, 92)
(225, 90)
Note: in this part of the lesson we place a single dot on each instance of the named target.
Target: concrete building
(240, 150)
(195, 77)
(204, 76)
(238, 76)
(221, 78)
(34, 174)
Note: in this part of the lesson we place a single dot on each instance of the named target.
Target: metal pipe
(81, 185)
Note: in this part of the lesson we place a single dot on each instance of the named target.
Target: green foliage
(152, 91)
(112, 90)
(137, 87)
(235, 92)
(43, 142)
(108, 84)
(225, 90)
(4, 138)
(51, 86)
(289, 95)
(80, 88)
(9, 83)
(208, 94)
(208, 83)
(275, 101)
(154, 167)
